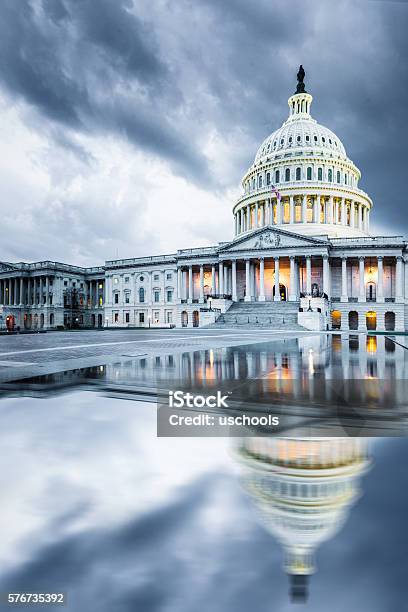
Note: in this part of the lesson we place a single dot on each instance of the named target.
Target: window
(298, 174)
(315, 138)
(259, 182)
(156, 316)
(127, 317)
(323, 139)
(274, 145)
(309, 174)
(345, 179)
(116, 299)
(115, 280)
(116, 317)
(253, 183)
(277, 176)
(330, 175)
(307, 138)
(141, 279)
(268, 178)
(100, 286)
(169, 317)
(169, 296)
(287, 174)
(74, 284)
(320, 174)
(141, 317)
(298, 138)
(65, 283)
(157, 296)
(82, 285)
(338, 176)
(100, 300)
(168, 276)
(141, 294)
(156, 277)
(290, 140)
(127, 298)
(126, 279)
(282, 141)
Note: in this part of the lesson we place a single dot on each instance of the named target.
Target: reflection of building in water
(303, 489)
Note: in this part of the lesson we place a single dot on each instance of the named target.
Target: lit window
(115, 280)
(100, 286)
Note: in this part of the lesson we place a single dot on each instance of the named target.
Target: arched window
(371, 292)
(338, 176)
(268, 178)
(259, 181)
(330, 175)
(309, 174)
(287, 174)
(253, 183)
(298, 174)
(299, 138)
(320, 174)
(141, 294)
(277, 176)
(345, 179)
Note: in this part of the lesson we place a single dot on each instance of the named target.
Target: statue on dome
(300, 77)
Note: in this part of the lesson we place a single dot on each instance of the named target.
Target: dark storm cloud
(165, 75)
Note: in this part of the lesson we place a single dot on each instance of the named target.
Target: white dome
(300, 135)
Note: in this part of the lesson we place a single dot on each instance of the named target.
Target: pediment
(271, 238)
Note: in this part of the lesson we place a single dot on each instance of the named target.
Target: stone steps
(271, 315)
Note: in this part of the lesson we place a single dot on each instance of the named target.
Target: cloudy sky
(126, 125)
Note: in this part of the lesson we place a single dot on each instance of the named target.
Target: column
(234, 281)
(278, 211)
(360, 221)
(326, 278)
(277, 292)
(261, 280)
(270, 206)
(304, 209)
(247, 282)
(41, 300)
(263, 214)
(308, 275)
(330, 210)
(201, 284)
(179, 281)
(190, 284)
(213, 288)
(291, 209)
(248, 217)
(220, 278)
(256, 215)
(380, 279)
(47, 290)
(361, 296)
(28, 291)
(226, 289)
(292, 291)
(344, 296)
(35, 290)
(316, 209)
(21, 291)
(368, 220)
(343, 212)
(398, 280)
(352, 214)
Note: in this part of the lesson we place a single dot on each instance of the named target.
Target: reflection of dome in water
(303, 488)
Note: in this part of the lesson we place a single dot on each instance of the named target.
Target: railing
(140, 260)
(367, 239)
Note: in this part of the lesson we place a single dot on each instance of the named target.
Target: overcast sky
(126, 126)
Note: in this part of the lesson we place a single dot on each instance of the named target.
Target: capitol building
(301, 256)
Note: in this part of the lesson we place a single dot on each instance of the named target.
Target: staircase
(272, 315)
